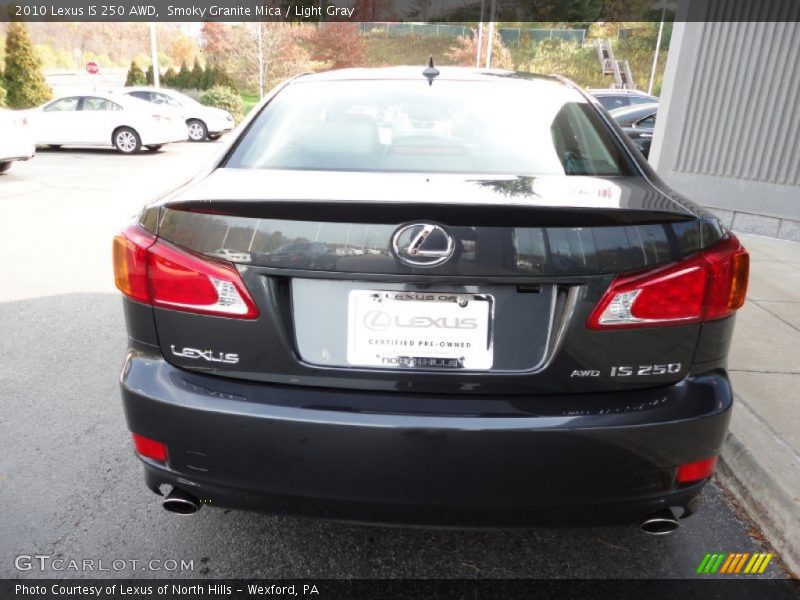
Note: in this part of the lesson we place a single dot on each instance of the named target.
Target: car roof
(113, 96)
(145, 88)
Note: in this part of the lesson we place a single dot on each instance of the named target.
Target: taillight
(149, 448)
(695, 471)
(130, 262)
(710, 285)
(156, 272)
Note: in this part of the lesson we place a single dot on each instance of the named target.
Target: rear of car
(16, 142)
(202, 122)
(459, 300)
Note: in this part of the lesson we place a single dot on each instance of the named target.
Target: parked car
(105, 119)
(202, 122)
(638, 123)
(613, 98)
(16, 142)
(521, 322)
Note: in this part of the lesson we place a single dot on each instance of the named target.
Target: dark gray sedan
(638, 123)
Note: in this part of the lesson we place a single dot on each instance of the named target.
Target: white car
(105, 119)
(16, 142)
(203, 122)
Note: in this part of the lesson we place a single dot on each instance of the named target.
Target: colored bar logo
(734, 563)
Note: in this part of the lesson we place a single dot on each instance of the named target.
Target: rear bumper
(220, 128)
(166, 134)
(317, 452)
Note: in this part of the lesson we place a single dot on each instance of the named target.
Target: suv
(507, 320)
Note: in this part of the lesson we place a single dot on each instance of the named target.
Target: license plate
(419, 330)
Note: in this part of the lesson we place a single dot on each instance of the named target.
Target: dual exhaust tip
(662, 522)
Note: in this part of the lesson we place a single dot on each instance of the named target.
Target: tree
(218, 77)
(374, 10)
(169, 77)
(465, 51)
(216, 41)
(338, 45)
(182, 49)
(182, 78)
(135, 75)
(149, 76)
(196, 77)
(2, 93)
(24, 81)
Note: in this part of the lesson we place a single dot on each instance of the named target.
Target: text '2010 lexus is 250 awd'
(444, 298)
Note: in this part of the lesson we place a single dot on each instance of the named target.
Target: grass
(249, 101)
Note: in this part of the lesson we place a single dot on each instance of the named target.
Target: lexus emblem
(423, 245)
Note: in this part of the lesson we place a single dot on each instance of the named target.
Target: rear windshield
(487, 127)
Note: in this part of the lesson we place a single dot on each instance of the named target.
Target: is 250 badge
(645, 370)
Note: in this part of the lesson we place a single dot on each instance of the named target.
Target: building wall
(728, 129)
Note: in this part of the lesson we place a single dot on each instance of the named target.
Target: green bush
(168, 78)
(135, 76)
(24, 81)
(225, 98)
(182, 80)
(216, 77)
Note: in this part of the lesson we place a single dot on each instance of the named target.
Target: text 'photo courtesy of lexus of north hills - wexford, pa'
(430, 296)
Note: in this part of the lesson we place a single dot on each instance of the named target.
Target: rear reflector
(149, 448)
(156, 272)
(710, 285)
(696, 471)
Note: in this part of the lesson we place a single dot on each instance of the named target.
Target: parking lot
(70, 486)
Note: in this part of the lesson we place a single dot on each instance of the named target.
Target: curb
(763, 473)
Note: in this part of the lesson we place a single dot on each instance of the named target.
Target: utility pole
(260, 62)
(154, 56)
(489, 42)
(480, 36)
(663, 5)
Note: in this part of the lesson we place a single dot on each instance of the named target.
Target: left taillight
(156, 272)
(708, 286)
(149, 448)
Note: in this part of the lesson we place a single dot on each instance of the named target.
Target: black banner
(397, 589)
(442, 11)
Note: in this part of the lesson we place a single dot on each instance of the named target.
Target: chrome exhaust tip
(661, 522)
(181, 502)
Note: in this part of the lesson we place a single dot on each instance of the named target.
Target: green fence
(511, 36)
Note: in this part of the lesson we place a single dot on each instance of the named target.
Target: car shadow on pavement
(96, 151)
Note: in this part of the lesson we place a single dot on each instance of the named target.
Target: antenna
(431, 72)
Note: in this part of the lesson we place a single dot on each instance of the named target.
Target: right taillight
(156, 272)
(710, 285)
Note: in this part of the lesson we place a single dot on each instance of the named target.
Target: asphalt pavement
(71, 488)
